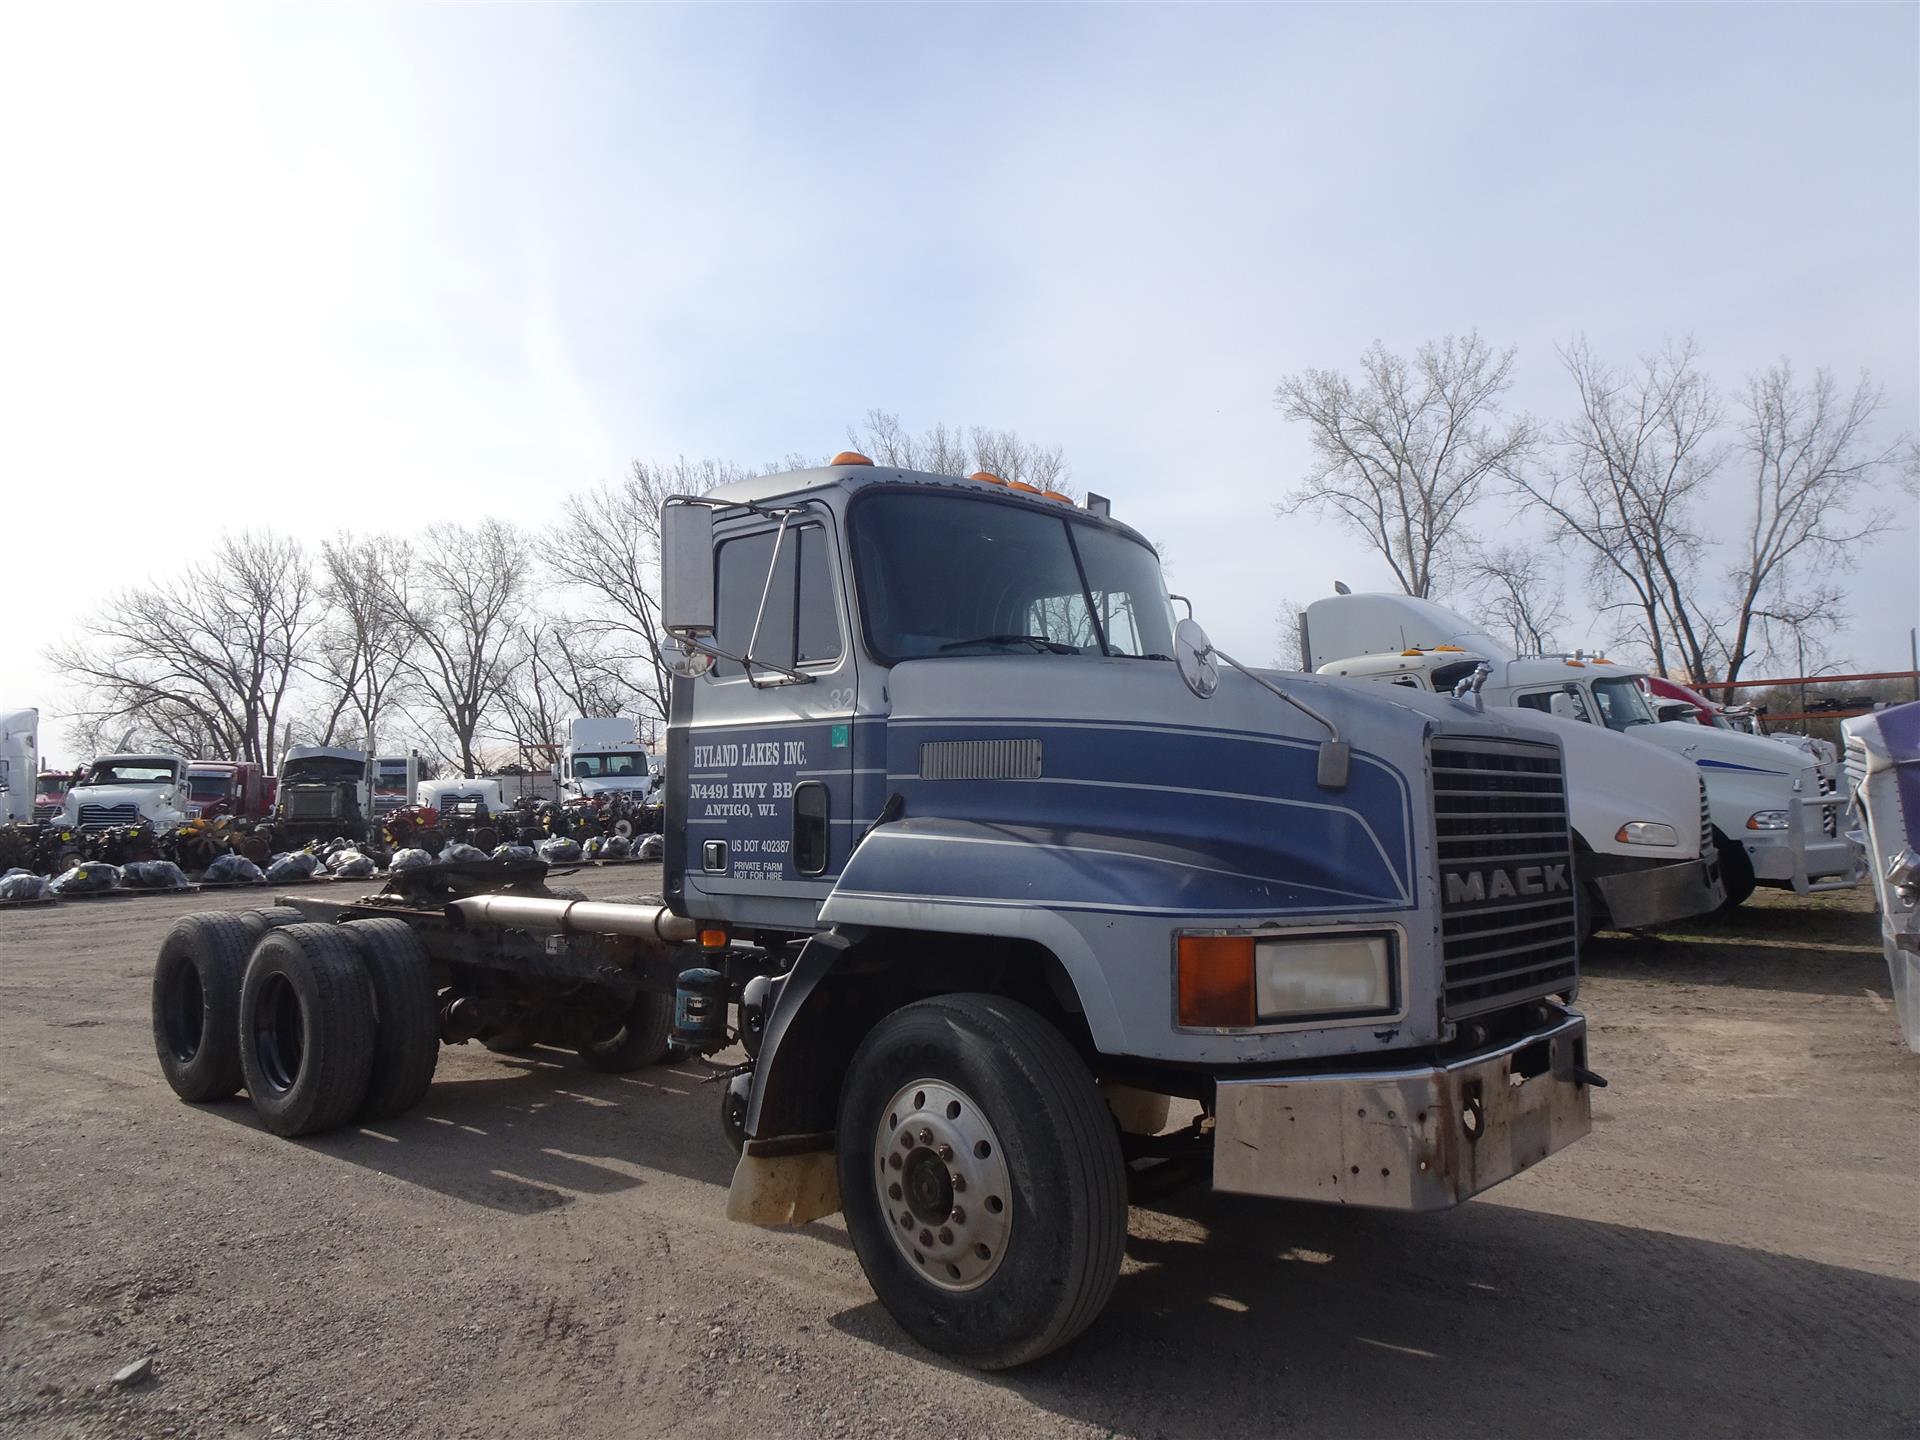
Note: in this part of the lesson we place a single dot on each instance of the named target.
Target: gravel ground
(539, 1250)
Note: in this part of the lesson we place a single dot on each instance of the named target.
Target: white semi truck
(120, 790)
(1644, 848)
(604, 756)
(1779, 818)
(983, 859)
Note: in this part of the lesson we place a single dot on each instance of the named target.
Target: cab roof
(849, 479)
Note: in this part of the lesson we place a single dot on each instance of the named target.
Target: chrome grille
(1706, 822)
(1856, 764)
(95, 817)
(1509, 924)
(48, 811)
(1829, 814)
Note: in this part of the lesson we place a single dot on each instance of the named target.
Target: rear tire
(1736, 872)
(991, 1285)
(306, 1029)
(196, 1005)
(406, 1014)
(641, 1041)
(272, 917)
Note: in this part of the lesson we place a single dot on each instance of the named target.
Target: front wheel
(1736, 872)
(981, 1178)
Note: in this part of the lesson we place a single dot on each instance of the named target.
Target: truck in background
(19, 765)
(237, 789)
(1778, 816)
(396, 781)
(50, 792)
(323, 793)
(1883, 772)
(128, 790)
(603, 755)
(1644, 851)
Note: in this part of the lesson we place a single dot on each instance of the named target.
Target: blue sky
(352, 266)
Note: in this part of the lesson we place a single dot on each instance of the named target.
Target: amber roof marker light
(850, 457)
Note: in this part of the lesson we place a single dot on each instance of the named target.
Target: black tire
(1736, 872)
(406, 1016)
(1068, 1224)
(641, 1040)
(196, 1005)
(306, 1029)
(272, 917)
(485, 838)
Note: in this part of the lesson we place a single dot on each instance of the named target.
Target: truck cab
(603, 756)
(396, 779)
(1027, 858)
(1644, 848)
(50, 792)
(118, 790)
(323, 793)
(1779, 816)
(233, 788)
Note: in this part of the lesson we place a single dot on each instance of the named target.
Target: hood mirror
(1193, 656)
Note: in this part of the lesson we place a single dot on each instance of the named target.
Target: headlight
(1646, 832)
(1767, 820)
(1228, 982)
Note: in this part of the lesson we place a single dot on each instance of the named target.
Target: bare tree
(1807, 458)
(607, 543)
(1288, 654)
(204, 663)
(556, 674)
(955, 450)
(363, 648)
(462, 602)
(1403, 454)
(1517, 587)
(1621, 488)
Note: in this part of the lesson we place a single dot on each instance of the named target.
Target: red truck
(50, 793)
(237, 788)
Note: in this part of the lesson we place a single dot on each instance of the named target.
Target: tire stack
(322, 1025)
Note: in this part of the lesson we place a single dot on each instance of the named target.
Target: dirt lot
(540, 1251)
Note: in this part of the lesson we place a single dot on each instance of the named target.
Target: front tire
(975, 1095)
(1736, 872)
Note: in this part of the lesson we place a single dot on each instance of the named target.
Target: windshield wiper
(1039, 642)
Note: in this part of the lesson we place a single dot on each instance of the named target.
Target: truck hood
(1611, 780)
(1724, 749)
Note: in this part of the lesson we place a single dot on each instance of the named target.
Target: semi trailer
(984, 861)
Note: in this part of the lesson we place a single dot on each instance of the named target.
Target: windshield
(391, 781)
(209, 787)
(595, 767)
(53, 784)
(321, 770)
(943, 574)
(131, 772)
(1621, 704)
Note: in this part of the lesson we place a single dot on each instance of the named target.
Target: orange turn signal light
(1056, 495)
(849, 457)
(713, 939)
(1216, 981)
(986, 477)
(1023, 486)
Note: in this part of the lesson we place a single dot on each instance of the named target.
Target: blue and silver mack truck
(988, 861)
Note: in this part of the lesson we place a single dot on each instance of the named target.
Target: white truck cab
(1778, 816)
(1645, 854)
(604, 756)
(460, 799)
(129, 790)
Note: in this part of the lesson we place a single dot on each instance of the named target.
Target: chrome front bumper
(1415, 1139)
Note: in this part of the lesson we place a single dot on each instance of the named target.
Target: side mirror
(1560, 703)
(681, 661)
(1193, 656)
(686, 569)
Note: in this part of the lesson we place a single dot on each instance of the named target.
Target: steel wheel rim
(941, 1177)
(279, 1034)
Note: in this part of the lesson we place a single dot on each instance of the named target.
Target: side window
(1543, 700)
(801, 624)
